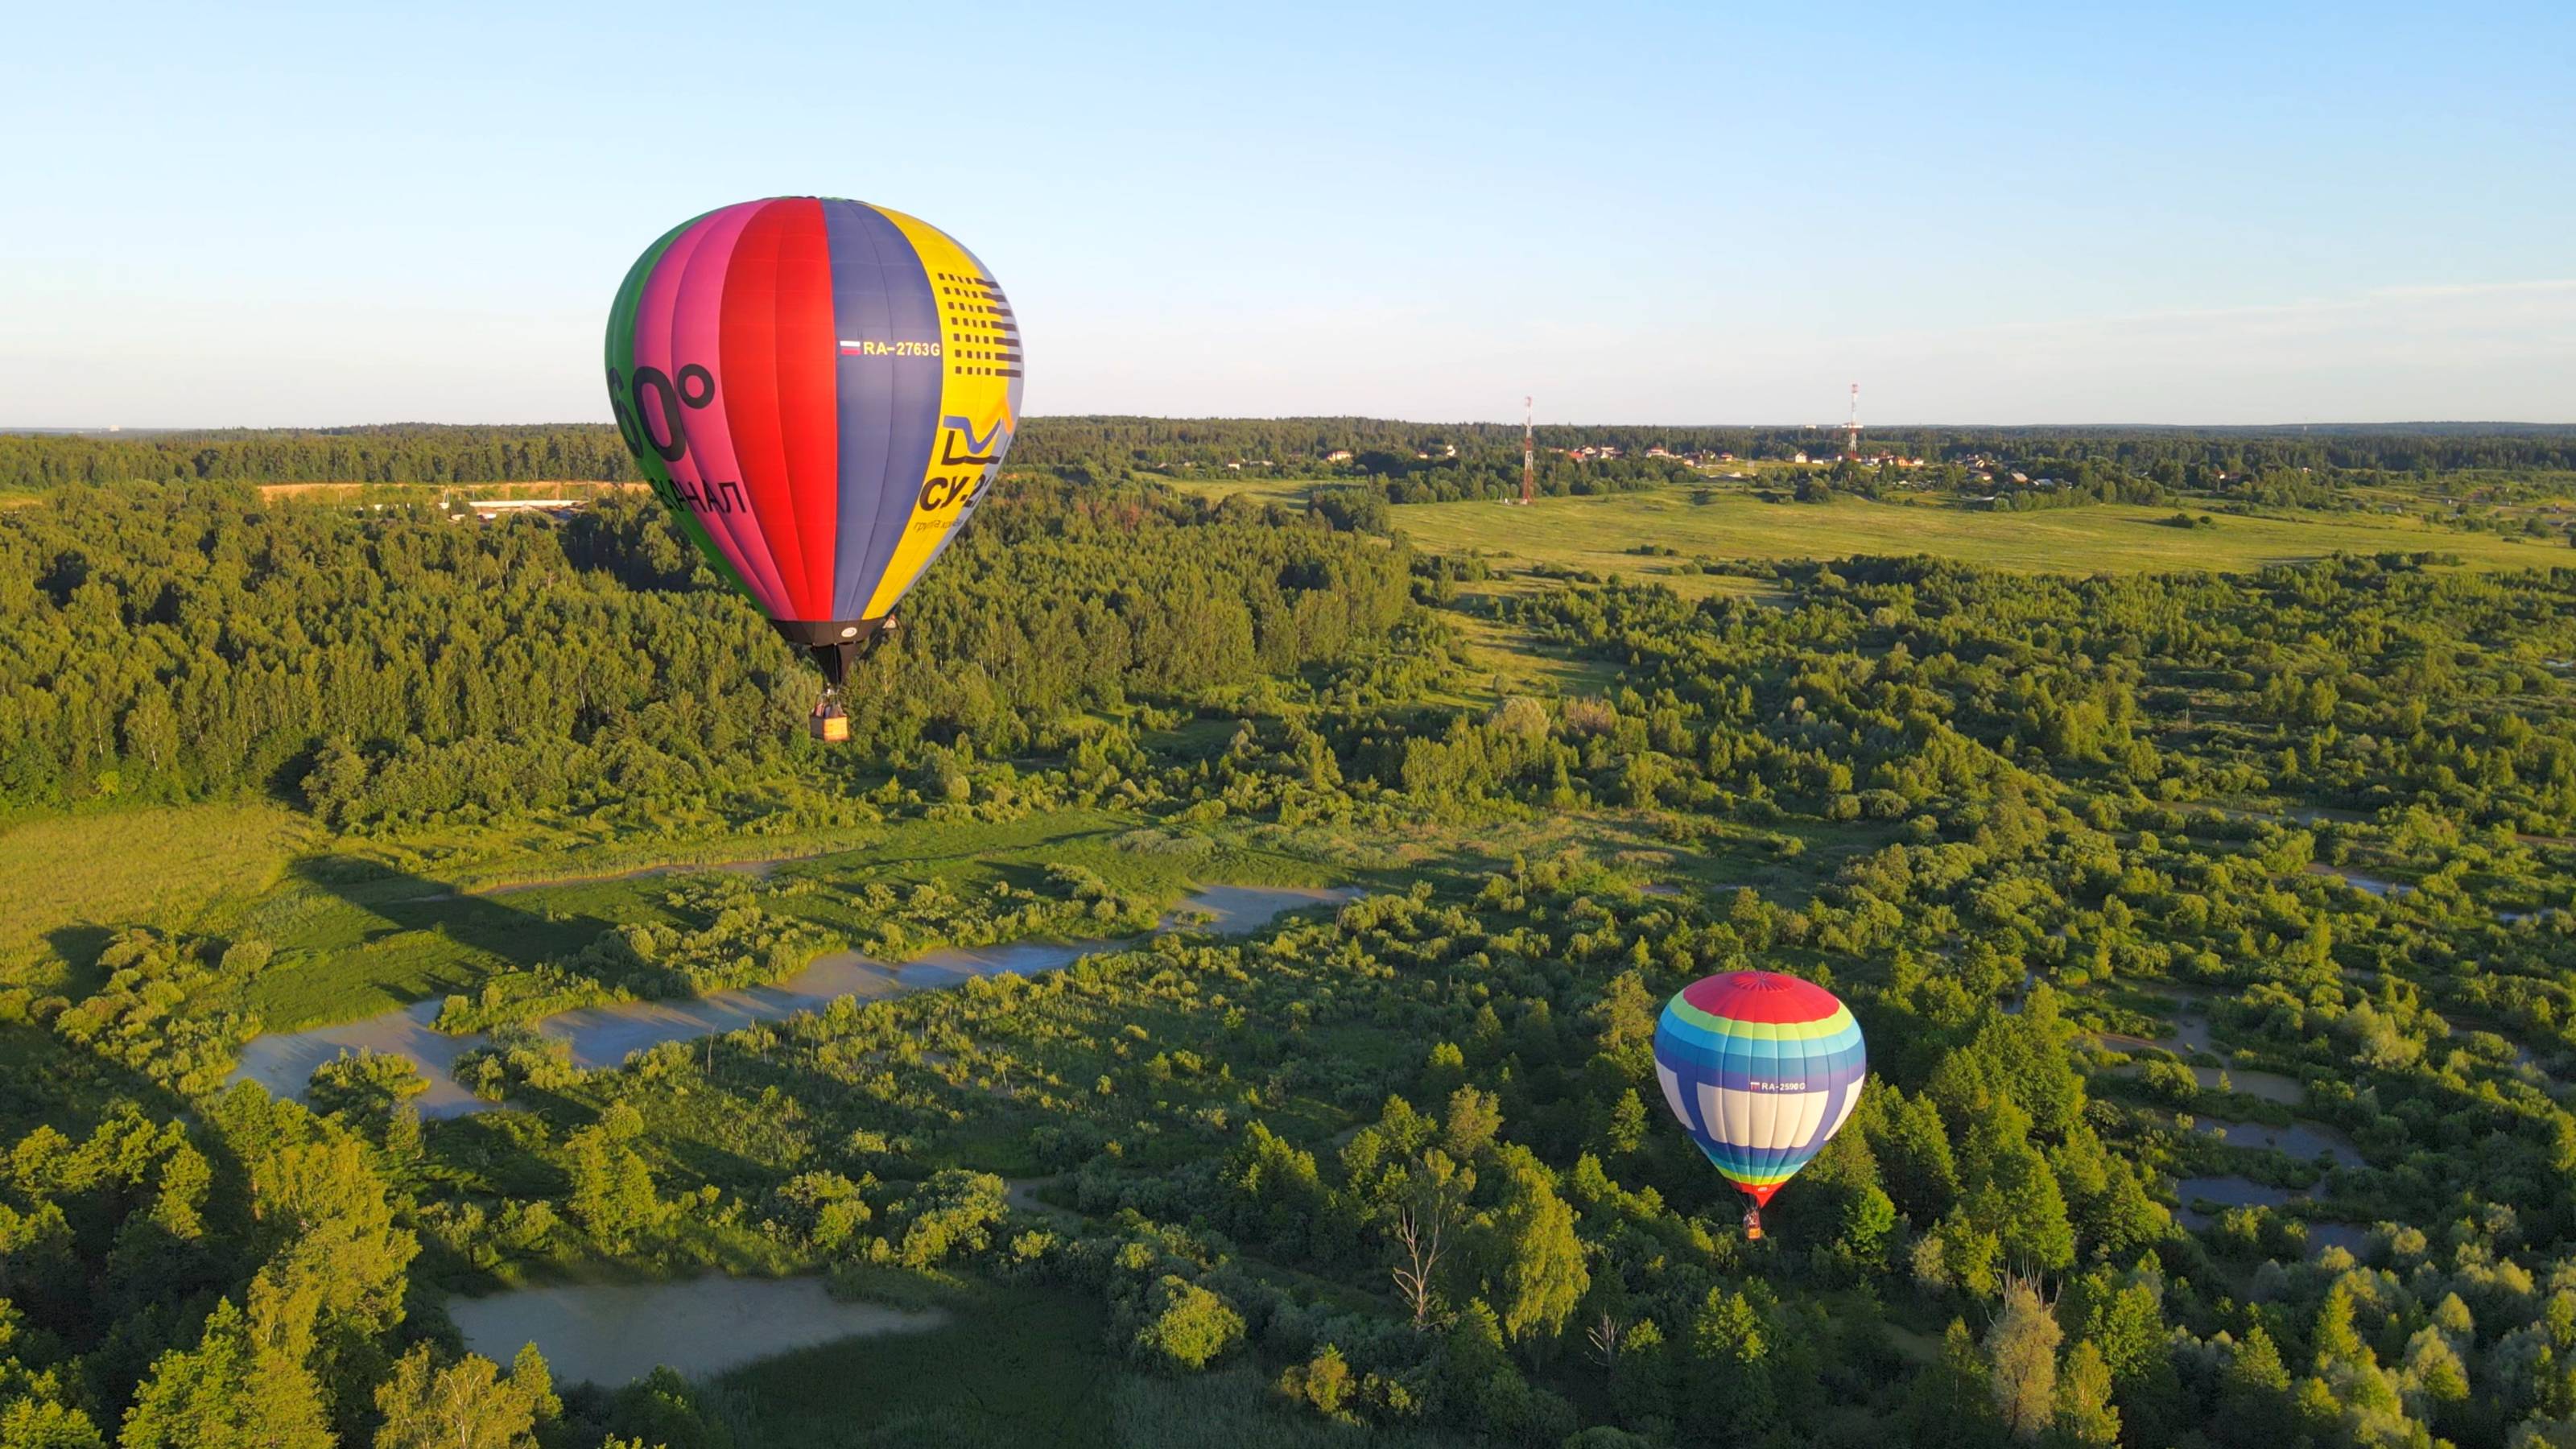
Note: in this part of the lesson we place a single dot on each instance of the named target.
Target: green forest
(2214, 937)
(1103, 448)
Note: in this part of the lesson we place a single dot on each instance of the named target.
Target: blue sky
(2189, 212)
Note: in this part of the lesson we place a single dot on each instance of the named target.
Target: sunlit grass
(1260, 489)
(178, 867)
(1596, 534)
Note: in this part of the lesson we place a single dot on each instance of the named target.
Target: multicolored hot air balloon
(820, 391)
(1762, 1069)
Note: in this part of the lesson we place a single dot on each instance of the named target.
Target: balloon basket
(836, 647)
(1753, 1225)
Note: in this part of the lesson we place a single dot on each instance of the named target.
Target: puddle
(2226, 1192)
(2270, 1086)
(284, 1061)
(2029, 980)
(2234, 1192)
(2306, 1141)
(2371, 884)
(611, 1333)
(1240, 909)
(2351, 1237)
(2191, 1033)
(603, 1036)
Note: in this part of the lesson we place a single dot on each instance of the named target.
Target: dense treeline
(1106, 448)
(2361, 683)
(180, 645)
(392, 453)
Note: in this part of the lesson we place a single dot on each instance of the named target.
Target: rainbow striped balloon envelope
(1762, 1069)
(820, 391)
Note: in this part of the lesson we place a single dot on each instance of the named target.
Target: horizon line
(2344, 425)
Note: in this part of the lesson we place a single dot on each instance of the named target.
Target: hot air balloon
(1762, 1069)
(821, 392)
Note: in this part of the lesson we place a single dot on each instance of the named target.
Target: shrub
(1190, 1327)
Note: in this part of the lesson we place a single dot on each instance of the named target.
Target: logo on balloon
(978, 450)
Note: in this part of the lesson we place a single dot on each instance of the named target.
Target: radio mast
(1851, 430)
(1529, 453)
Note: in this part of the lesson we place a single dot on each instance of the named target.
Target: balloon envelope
(1762, 1069)
(820, 390)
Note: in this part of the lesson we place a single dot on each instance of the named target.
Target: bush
(366, 1086)
(1323, 1383)
(1190, 1327)
(952, 1213)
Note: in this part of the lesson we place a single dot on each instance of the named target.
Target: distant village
(1976, 469)
(1611, 452)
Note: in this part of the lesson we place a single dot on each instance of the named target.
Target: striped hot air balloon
(820, 391)
(1762, 1069)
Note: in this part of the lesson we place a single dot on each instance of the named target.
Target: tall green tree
(2021, 1361)
(612, 1188)
(1537, 1270)
(465, 1404)
(238, 1389)
(2084, 1417)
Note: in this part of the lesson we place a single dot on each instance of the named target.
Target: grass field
(1519, 666)
(176, 867)
(1291, 491)
(1595, 534)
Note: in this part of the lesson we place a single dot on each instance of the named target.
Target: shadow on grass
(393, 938)
(408, 902)
(80, 946)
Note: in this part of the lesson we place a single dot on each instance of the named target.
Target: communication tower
(1529, 453)
(1851, 429)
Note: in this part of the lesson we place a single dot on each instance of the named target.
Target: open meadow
(70, 879)
(1261, 488)
(1598, 535)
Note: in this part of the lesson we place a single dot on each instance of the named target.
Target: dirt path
(1022, 1195)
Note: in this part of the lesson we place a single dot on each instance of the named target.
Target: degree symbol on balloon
(703, 380)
